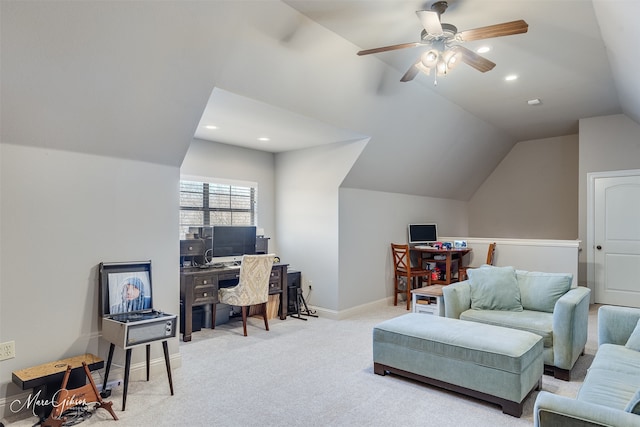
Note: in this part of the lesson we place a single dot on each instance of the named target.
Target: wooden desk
(427, 254)
(199, 286)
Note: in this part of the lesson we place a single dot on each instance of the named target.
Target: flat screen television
(233, 240)
(423, 233)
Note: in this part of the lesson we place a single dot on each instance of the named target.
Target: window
(216, 203)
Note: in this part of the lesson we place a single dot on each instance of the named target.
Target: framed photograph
(460, 244)
(125, 287)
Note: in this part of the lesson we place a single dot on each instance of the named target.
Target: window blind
(211, 203)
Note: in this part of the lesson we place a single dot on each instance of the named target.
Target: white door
(617, 240)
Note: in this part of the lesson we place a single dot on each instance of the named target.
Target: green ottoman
(492, 363)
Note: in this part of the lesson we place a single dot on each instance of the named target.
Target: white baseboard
(343, 314)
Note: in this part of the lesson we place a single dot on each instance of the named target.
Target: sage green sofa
(610, 394)
(538, 302)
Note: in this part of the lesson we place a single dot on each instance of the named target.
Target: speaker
(294, 282)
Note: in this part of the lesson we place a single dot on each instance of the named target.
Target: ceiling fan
(446, 52)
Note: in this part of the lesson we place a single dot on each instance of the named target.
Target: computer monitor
(423, 233)
(230, 240)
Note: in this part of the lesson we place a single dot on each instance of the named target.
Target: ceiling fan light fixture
(420, 66)
(442, 68)
(451, 58)
(429, 59)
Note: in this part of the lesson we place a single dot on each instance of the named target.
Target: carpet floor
(317, 372)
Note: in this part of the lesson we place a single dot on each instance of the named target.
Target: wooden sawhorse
(68, 398)
(45, 380)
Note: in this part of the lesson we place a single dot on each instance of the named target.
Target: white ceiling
(245, 122)
(562, 60)
(132, 80)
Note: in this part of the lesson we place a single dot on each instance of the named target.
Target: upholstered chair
(252, 288)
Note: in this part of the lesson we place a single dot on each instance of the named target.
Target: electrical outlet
(309, 283)
(7, 350)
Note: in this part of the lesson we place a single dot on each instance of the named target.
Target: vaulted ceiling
(134, 79)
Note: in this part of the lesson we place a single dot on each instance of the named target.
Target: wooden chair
(402, 268)
(462, 271)
(252, 288)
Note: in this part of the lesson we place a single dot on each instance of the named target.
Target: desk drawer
(274, 287)
(275, 281)
(227, 280)
(204, 280)
(206, 294)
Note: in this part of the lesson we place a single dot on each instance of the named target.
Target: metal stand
(300, 301)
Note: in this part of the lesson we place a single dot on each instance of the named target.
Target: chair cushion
(540, 291)
(494, 288)
(537, 322)
(634, 339)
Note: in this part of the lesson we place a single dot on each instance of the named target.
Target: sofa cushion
(538, 322)
(633, 342)
(540, 291)
(609, 388)
(494, 288)
(634, 404)
(618, 358)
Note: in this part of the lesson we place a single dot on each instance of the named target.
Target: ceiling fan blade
(474, 60)
(411, 74)
(388, 48)
(498, 30)
(430, 21)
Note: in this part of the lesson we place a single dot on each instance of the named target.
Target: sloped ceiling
(132, 79)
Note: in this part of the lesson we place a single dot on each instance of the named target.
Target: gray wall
(62, 214)
(369, 222)
(533, 193)
(307, 215)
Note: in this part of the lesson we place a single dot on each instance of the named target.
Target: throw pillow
(634, 339)
(494, 288)
(540, 291)
(634, 404)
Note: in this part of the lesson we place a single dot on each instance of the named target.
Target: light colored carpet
(313, 373)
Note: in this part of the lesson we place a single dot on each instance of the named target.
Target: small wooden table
(428, 254)
(46, 379)
(428, 300)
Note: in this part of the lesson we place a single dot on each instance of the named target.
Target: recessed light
(264, 139)
(211, 127)
(483, 49)
(535, 101)
(511, 77)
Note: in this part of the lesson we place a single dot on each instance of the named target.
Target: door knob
(598, 247)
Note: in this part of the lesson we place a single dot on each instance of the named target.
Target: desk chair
(252, 288)
(402, 268)
(462, 271)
